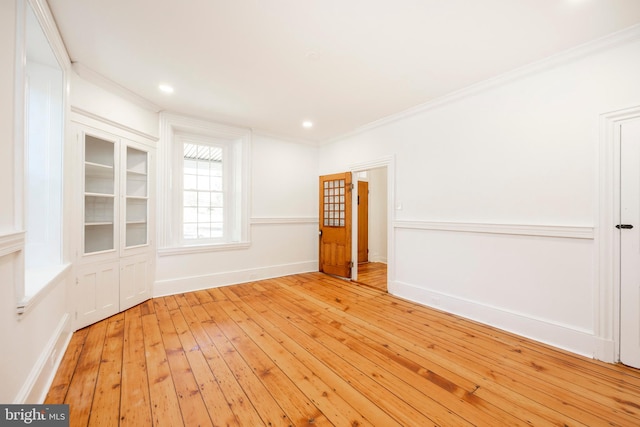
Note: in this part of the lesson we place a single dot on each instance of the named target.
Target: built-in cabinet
(115, 268)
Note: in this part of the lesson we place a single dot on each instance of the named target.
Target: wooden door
(363, 221)
(335, 224)
(630, 244)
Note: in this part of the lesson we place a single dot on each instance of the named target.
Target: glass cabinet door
(99, 195)
(137, 197)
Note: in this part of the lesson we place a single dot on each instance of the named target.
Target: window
(43, 157)
(204, 196)
(334, 203)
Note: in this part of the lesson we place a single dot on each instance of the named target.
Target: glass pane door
(99, 195)
(137, 197)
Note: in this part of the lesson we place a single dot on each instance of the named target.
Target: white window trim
(173, 129)
(227, 179)
(28, 296)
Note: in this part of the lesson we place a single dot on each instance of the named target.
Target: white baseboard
(214, 280)
(606, 350)
(378, 258)
(566, 337)
(36, 387)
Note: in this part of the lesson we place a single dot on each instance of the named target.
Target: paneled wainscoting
(311, 349)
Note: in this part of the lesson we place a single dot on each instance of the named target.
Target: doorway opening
(338, 225)
(370, 228)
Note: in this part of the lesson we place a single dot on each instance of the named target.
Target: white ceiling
(270, 64)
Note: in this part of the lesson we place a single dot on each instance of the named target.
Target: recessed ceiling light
(165, 88)
(307, 124)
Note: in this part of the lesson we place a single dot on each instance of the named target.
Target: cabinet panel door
(97, 293)
(136, 278)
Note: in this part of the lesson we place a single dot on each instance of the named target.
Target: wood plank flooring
(314, 350)
(373, 274)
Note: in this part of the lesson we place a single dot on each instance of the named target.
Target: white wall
(283, 231)
(284, 178)
(33, 342)
(378, 215)
(519, 150)
(7, 80)
(94, 98)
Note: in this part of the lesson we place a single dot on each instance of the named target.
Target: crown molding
(110, 86)
(617, 38)
(175, 122)
(48, 24)
(81, 115)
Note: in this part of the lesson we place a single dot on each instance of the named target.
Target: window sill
(194, 249)
(38, 283)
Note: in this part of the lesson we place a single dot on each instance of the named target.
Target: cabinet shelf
(98, 223)
(98, 166)
(104, 195)
(98, 178)
(98, 151)
(97, 251)
(136, 161)
(136, 185)
(98, 170)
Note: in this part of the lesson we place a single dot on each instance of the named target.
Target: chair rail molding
(283, 220)
(562, 231)
(12, 242)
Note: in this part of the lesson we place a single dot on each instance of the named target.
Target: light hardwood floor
(314, 350)
(373, 274)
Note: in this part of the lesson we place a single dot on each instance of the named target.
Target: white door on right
(630, 243)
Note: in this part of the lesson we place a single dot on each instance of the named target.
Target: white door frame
(607, 289)
(389, 164)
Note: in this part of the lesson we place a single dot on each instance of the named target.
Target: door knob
(625, 226)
